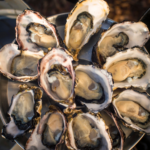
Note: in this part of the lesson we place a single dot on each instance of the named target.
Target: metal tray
(8, 88)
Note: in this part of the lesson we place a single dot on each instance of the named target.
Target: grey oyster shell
(24, 112)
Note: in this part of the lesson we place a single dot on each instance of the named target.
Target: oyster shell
(48, 134)
(24, 112)
(56, 75)
(121, 36)
(87, 131)
(83, 21)
(93, 87)
(35, 33)
(116, 133)
(133, 68)
(134, 109)
(17, 65)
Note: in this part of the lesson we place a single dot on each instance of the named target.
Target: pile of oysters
(115, 82)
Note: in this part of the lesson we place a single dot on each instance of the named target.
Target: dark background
(120, 10)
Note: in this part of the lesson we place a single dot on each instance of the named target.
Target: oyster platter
(79, 85)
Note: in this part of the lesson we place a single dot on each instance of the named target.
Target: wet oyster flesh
(127, 69)
(53, 129)
(133, 111)
(81, 26)
(86, 87)
(25, 65)
(41, 35)
(26, 103)
(60, 82)
(84, 133)
(110, 45)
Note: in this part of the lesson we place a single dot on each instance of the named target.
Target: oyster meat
(17, 65)
(133, 108)
(35, 33)
(129, 68)
(119, 37)
(86, 131)
(57, 75)
(83, 21)
(48, 134)
(24, 112)
(93, 87)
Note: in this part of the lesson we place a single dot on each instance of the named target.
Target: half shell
(87, 16)
(87, 131)
(26, 65)
(40, 139)
(134, 53)
(140, 99)
(56, 75)
(24, 112)
(121, 36)
(39, 27)
(99, 76)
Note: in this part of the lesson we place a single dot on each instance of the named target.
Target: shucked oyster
(17, 65)
(134, 109)
(56, 75)
(48, 134)
(129, 68)
(87, 131)
(121, 36)
(83, 21)
(93, 87)
(24, 112)
(35, 33)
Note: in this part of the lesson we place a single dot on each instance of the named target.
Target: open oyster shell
(87, 131)
(132, 56)
(17, 65)
(48, 134)
(134, 109)
(93, 87)
(84, 20)
(35, 33)
(120, 36)
(24, 112)
(56, 76)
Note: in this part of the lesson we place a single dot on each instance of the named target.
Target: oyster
(17, 65)
(93, 87)
(121, 36)
(35, 33)
(83, 21)
(56, 75)
(24, 112)
(87, 131)
(134, 109)
(48, 134)
(129, 68)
